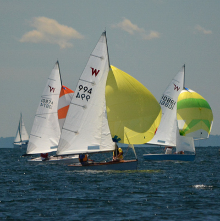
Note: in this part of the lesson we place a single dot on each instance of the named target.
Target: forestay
(133, 112)
(45, 132)
(166, 133)
(86, 129)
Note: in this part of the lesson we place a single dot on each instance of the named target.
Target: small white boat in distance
(21, 138)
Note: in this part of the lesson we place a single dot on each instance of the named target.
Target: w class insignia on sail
(94, 71)
(176, 87)
(51, 88)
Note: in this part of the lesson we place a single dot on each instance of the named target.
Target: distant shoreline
(212, 141)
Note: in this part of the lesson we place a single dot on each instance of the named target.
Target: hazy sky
(149, 40)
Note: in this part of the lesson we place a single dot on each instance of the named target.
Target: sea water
(156, 191)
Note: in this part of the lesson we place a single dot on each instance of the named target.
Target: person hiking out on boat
(83, 159)
(117, 153)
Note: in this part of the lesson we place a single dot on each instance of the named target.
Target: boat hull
(173, 157)
(111, 165)
(55, 160)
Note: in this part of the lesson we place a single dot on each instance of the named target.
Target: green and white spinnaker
(194, 115)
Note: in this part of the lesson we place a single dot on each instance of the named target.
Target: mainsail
(86, 129)
(167, 130)
(45, 132)
(194, 115)
(21, 135)
(133, 112)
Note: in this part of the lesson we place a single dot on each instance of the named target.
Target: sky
(149, 39)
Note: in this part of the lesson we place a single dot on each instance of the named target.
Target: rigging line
(132, 146)
(107, 49)
(59, 73)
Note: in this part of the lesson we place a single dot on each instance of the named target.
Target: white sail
(166, 132)
(184, 143)
(86, 127)
(21, 135)
(17, 139)
(45, 131)
(24, 134)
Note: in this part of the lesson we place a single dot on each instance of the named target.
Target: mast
(20, 127)
(59, 72)
(107, 49)
(184, 76)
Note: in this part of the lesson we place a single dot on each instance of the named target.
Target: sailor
(168, 150)
(44, 156)
(119, 152)
(83, 159)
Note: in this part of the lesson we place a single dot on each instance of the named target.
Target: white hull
(111, 165)
(55, 160)
(16, 145)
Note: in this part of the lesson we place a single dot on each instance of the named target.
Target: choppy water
(156, 191)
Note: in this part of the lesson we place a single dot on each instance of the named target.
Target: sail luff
(61, 83)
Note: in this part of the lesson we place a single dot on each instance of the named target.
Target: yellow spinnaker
(194, 115)
(133, 112)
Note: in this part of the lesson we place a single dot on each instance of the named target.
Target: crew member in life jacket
(117, 153)
(44, 156)
(83, 159)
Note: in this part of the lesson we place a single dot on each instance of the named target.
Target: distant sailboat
(87, 129)
(45, 131)
(168, 132)
(21, 137)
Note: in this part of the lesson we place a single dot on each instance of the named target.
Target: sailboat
(21, 137)
(86, 128)
(168, 133)
(45, 131)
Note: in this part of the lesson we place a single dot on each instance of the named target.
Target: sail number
(46, 103)
(167, 102)
(84, 93)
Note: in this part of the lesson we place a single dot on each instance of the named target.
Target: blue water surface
(156, 191)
